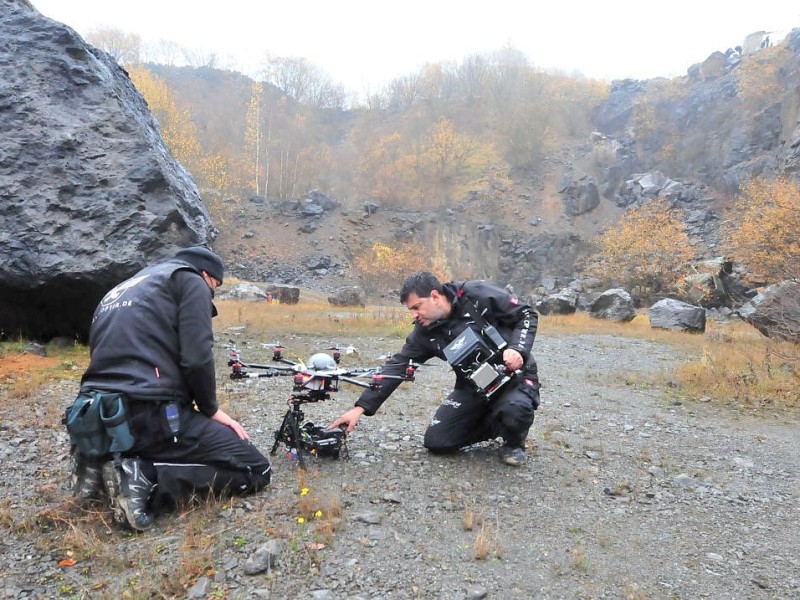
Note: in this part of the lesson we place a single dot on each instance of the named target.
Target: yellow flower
(318, 514)
(304, 492)
(301, 520)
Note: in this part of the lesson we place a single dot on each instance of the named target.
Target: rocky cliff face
(728, 119)
(89, 194)
(690, 141)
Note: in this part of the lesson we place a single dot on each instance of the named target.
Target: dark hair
(421, 284)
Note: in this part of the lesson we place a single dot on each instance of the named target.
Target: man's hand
(512, 359)
(351, 417)
(222, 417)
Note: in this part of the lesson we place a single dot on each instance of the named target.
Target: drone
(313, 381)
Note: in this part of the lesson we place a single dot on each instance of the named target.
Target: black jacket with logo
(151, 338)
(515, 321)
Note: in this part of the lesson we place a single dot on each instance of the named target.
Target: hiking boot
(513, 456)
(129, 491)
(88, 480)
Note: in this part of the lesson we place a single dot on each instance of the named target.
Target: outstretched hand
(350, 418)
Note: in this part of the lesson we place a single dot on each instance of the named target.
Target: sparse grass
(735, 364)
(471, 519)
(634, 592)
(313, 316)
(196, 550)
(23, 374)
(318, 506)
(745, 370)
(578, 558)
(639, 327)
(487, 543)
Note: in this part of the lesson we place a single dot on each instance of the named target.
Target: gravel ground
(630, 492)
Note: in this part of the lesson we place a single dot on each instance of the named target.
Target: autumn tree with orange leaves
(382, 266)
(765, 231)
(648, 251)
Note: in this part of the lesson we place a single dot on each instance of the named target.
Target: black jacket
(516, 322)
(151, 338)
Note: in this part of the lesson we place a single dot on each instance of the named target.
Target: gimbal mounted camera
(477, 355)
(313, 381)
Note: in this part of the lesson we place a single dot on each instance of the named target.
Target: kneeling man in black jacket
(447, 318)
(151, 341)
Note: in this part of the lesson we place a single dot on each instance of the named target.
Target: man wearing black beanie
(151, 344)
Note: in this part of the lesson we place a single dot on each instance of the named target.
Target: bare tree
(300, 79)
(165, 52)
(123, 47)
(200, 58)
(403, 92)
(473, 74)
(325, 94)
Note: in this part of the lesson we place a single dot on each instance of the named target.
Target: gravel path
(630, 492)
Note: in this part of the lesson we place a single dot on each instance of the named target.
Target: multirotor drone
(313, 381)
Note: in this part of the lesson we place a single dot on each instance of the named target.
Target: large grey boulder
(775, 312)
(285, 294)
(677, 316)
(348, 296)
(580, 195)
(561, 303)
(614, 305)
(89, 194)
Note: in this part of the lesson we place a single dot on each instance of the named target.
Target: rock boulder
(90, 194)
(614, 305)
(775, 312)
(348, 296)
(676, 315)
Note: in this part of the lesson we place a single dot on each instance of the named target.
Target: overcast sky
(363, 44)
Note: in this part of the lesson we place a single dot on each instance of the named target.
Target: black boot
(88, 485)
(129, 490)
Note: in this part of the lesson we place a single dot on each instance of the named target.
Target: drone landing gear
(306, 438)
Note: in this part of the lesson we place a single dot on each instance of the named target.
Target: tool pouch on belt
(114, 415)
(97, 423)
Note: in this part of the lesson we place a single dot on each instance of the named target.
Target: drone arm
(257, 366)
(271, 373)
(354, 381)
(285, 361)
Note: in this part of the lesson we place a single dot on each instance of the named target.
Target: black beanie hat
(202, 259)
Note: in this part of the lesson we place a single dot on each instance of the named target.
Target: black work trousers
(467, 417)
(204, 458)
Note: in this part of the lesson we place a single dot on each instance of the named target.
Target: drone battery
(485, 375)
(468, 348)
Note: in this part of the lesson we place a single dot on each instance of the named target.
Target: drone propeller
(337, 351)
(350, 349)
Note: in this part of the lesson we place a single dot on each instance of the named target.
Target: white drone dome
(321, 362)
